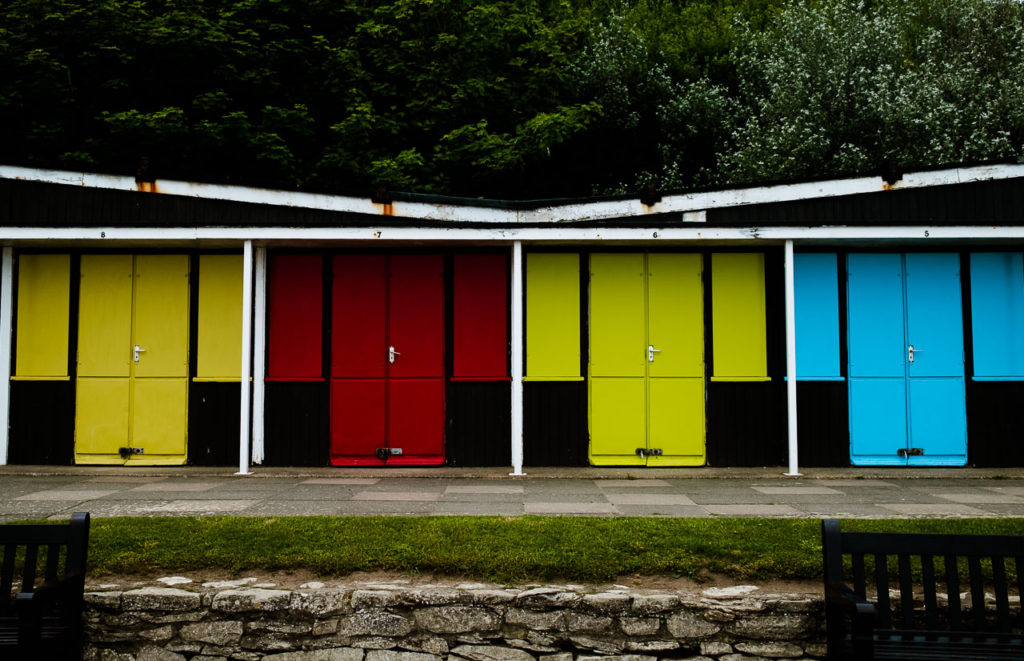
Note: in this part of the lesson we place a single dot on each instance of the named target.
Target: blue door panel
(934, 315)
(938, 421)
(997, 314)
(878, 423)
(875, 326)
(816, 298)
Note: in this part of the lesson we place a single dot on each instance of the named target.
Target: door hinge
(910, 452)
(384, 453)
(649, 452)
(127, 452)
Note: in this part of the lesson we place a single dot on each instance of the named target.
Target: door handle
(391, 355)
(137, 351)
(911, 351)
(650, 352)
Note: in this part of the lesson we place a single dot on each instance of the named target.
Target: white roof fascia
(555, 213)
(558, 234)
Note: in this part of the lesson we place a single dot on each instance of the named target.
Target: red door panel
(416, 420)
(416, 315)
(480, 321)
(296, 315)
(359, 316)
(358, 417)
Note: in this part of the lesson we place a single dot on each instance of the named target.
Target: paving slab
(752, 510)
(649, 499)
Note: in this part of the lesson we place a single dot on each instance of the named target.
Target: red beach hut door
(387, 385)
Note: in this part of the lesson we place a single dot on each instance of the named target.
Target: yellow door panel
(42, 330)
(676, 315)
(676, 421)
(159, 420)
(552, 316)
(220, 318)
(101, 420)
(618, 345)
(161, 315)
(105, 315)
(738, 316)
(617, 424)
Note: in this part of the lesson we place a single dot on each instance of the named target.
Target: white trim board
(691, 205)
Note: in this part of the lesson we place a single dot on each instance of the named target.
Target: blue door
(906, 360)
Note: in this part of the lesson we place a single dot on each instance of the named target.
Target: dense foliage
(508, 98)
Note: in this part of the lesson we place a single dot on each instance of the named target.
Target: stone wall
(470, 622)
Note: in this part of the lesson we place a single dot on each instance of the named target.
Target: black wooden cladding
(42, 423)
(555, 423)
(823, 429)
(478, 419)
(746, 424)
(978, 203)
(213, 423)
(995, 423)
(297, 417)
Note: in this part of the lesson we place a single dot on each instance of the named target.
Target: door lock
(911, 351)
(391, 355)
(910, 452)
(650, 352)
(137, 351)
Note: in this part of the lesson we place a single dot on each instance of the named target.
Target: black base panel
(42, 424)
(213, 423)
(555, 423)
(746, 424)
(995, 423)
(478, 417)
(823, 427)
(297, 420)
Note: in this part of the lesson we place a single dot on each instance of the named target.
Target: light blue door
(906, 362)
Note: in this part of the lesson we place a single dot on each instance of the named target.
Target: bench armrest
(30, 607)
(841, 603)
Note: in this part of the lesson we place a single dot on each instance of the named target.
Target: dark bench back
(42, 547)
(941, 561)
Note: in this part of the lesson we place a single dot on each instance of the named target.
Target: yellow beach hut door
(131, 398)
(646, 359)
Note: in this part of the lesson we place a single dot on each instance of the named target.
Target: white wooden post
(517, 358)
(243, 435)
(791, 361)
(259, 343)
(6, 312)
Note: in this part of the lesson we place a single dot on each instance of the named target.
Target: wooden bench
(43, 620)
(929, 618)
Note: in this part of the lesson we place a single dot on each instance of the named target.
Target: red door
(387, 360)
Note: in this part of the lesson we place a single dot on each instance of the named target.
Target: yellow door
(132, 386)
(646, 360)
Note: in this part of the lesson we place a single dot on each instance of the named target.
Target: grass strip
(499, 549)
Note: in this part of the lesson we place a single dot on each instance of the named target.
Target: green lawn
(488, 548)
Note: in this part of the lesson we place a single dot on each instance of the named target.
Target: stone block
(775, 626)
(102, 599)
(374, 623)
(158, 635)
(421, 642)
(441, 597)
(216, 633)
(366, 599)
(715, 648)
(618, 657)
(393, 655)
(640, 626)
(584, 623)
(522, 644)
(651, 645)
(819, 650)
(153, 653)
(594, 644)
(325, 627)
(536, 620)
(160, 599)
(740, 657)
(320, 604)
(491, 653)
(773, 650)
(374, 643)
(655, 604)
(336, 654)
(562, 656)
(607, 603)
(267, 643)
(457, 619)
(541, 598)
(251, 599)
(489, 597)
(279, 627)
(688, 625)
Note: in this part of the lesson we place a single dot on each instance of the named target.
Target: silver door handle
(911, 351)
(391, 354)
(650, 352)
(137, 351)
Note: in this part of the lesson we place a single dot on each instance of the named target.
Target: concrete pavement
(54, 492)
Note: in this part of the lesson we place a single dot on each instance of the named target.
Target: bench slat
(906, 591)
(1002, 595)
(52, 561)
(977, 592)
(953, 591)
(882, 586)
(962, 545)
(7, 578)
(860, 587)
(28, 572)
